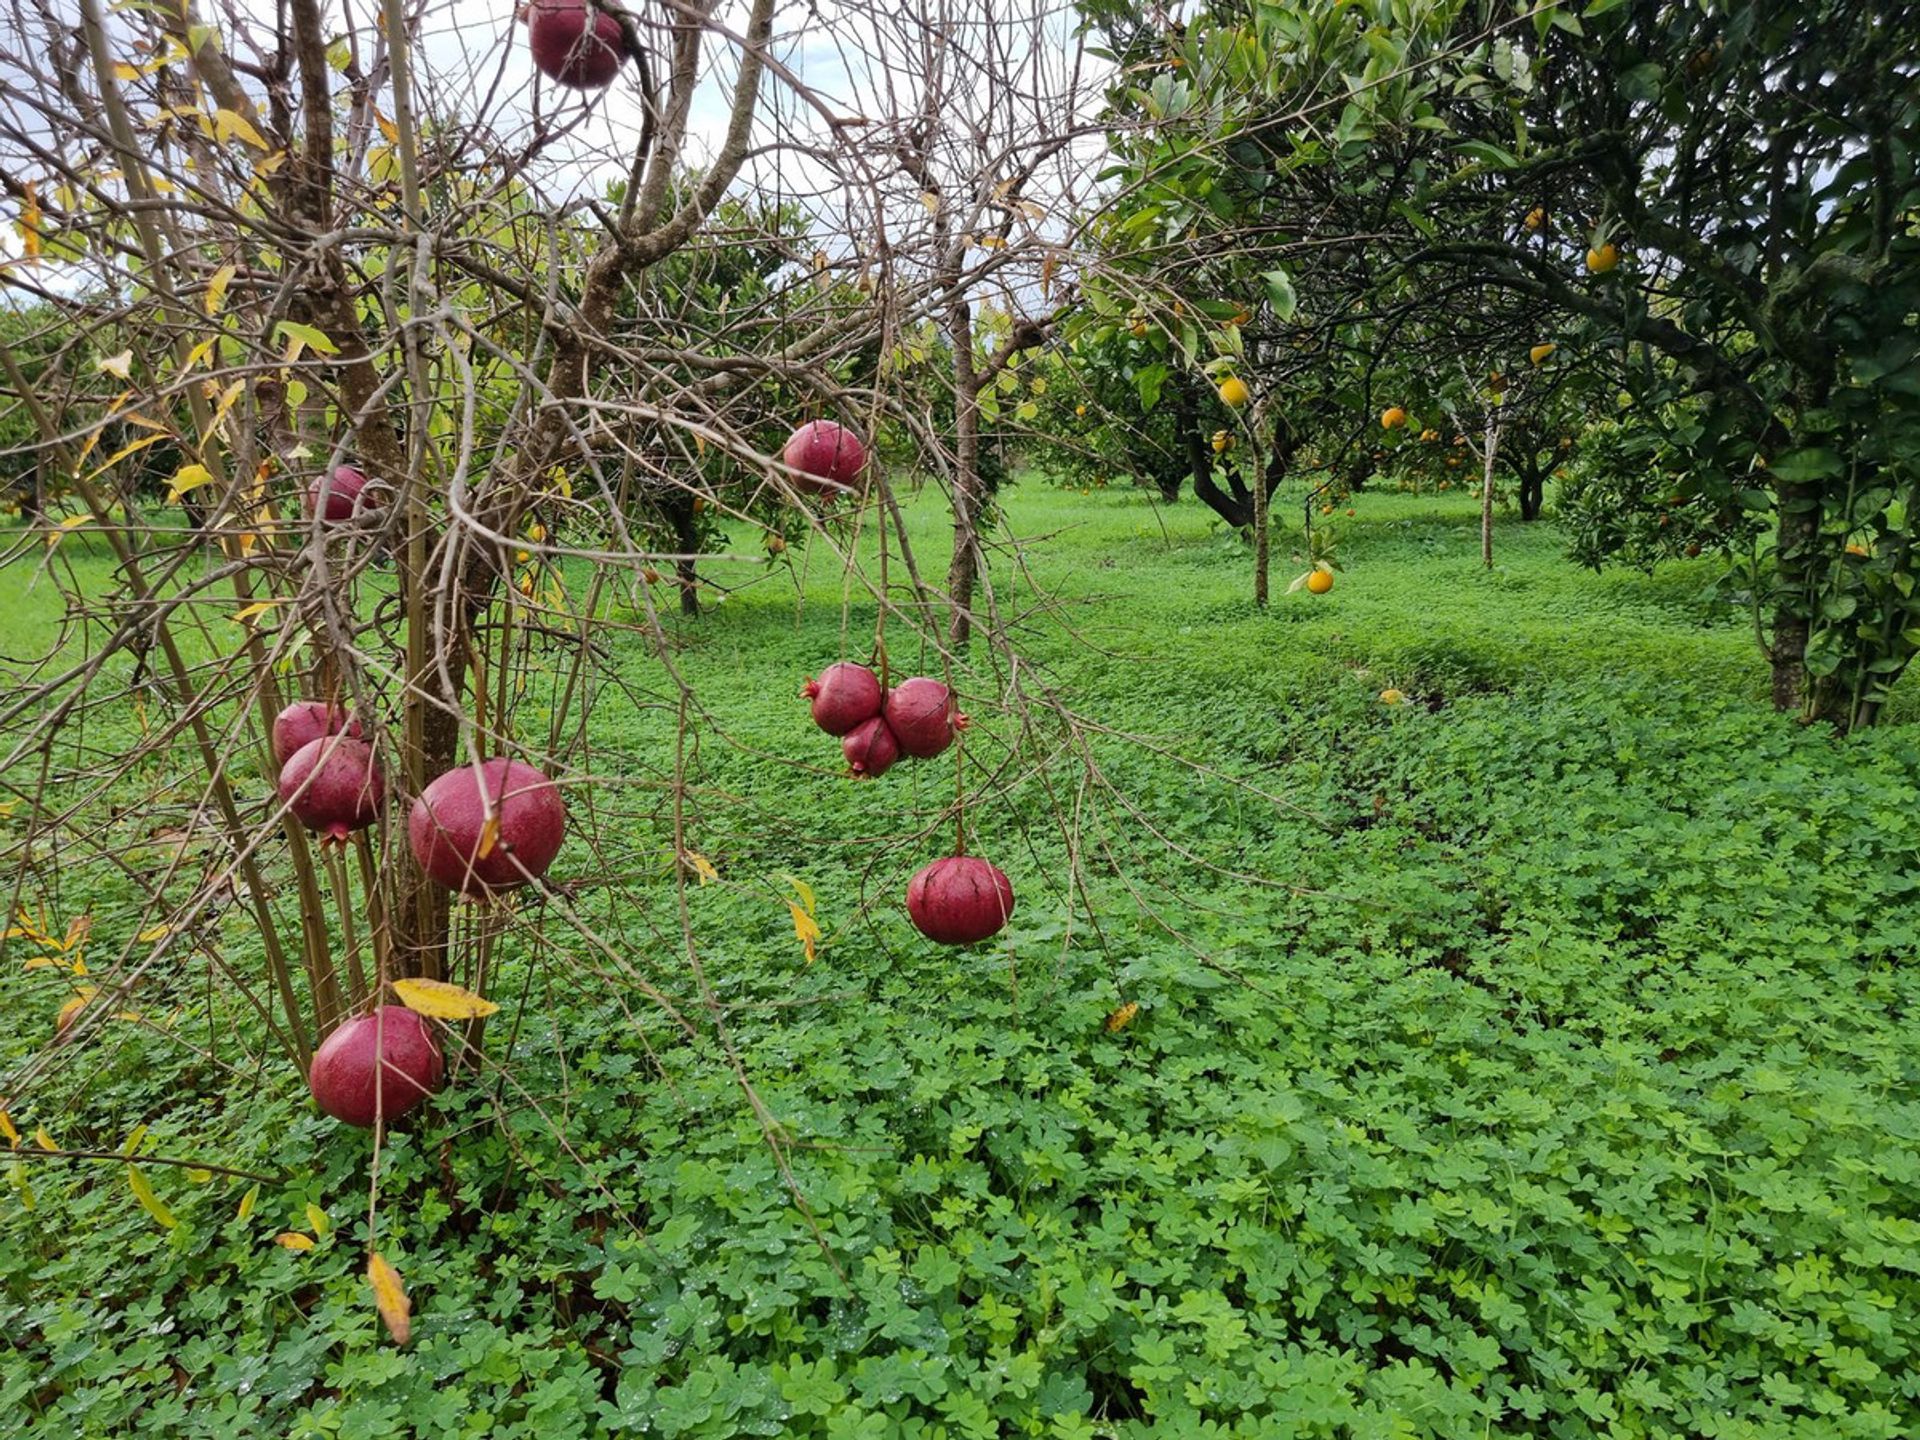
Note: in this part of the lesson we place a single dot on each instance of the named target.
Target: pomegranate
(333, 785)
(959, 900)
(306, 720)
(338, 497)
(921, 714)
(828, 456)
(376, 1066)
(870, 749)
(845, 696)
(565, 52)
(447, 828)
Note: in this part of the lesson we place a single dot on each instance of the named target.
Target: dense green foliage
(1548, 1070)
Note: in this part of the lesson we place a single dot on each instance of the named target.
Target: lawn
(1535, 1057)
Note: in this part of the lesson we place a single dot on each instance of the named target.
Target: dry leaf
(391, 1297)
(291, 1240)
(247, 1202)
(437, 1000)
(1123, 1017)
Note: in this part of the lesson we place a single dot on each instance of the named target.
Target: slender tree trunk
(1486, 490)
(1261, 538)
(965, 567)
(1798, 525)
(686, 539)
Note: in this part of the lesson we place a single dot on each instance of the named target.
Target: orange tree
(1711, 204)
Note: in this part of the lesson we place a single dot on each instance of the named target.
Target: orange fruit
(1320, 581)
(1392, 418)
(1602, 258)
(1234, 393)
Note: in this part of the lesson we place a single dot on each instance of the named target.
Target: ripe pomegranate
(350, 1080)
(333, 785)
(306, 720)
(828, 456)
(959, 900)
(845, 696)
(565, 52)
(871, 749)
(338, 496)
(448, 826)
(921, 714)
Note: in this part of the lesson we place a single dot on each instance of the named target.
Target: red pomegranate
(306, 720)
(959, 900)
(921, 714)
(846, 695)
(449, 820)
(351, 1084)
(338, 497)
(828, 456)
(565, 52)
(870, 749)
(333, 784)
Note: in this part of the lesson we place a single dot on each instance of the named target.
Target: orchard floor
(1537, 1057)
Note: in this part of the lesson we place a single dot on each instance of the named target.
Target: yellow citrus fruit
(1320, 581)
(776, 545)
(1222, 442)
(1080, 410)
(1536, 217)
(1392, 418)
(1234, 392)
(1137, 327)
(1392, 697)
(1540, 352)
(1602, 258)
(1240, 316)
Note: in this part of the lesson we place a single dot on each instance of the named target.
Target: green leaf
(1148, 382)
(1813, 462)
(1280, 294)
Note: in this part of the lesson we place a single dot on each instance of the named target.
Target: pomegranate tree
(339, 496)
(306, 720)
(844, 697)
(333, 784)
(921, 714)
(376, 1067)
(959, 900)
(828, 456)
(870, 749)
(566, 51)
(450, 837)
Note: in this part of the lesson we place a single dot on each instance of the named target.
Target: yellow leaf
(702, 866)
(123, 71)
(800, 888)
(154, 932)
(188, 478)
(125, 450)
(227, 397)
(74, 522)
(437, 1000)
(77, 929)
(247, 1202)
(120, 366)
(6, 1129)
(20, 1184)
(133, 1140)
(387, 128)
(1393, 697)
(196, 355)
(289, 1240)
(43, 1139)
(318, 1222)
(489, 836)
(990, 242)
(1123, 1017)
(931, 200)
(805, 929)
(149, 1202)
(259, 607)
(72, 1008)
(1033, 210)
(391, 1298)
(30, 222)
(229, 123)
(199, 1176)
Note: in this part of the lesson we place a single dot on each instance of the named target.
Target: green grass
(1542, 1065)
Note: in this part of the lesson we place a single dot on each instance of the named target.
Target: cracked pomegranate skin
(844, 697)
(828, 456)
(566, 53)
(448, 824)
(349, 1084)
(960, 900)
(333, 784)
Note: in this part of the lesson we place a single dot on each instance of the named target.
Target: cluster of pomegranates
(958, 900)
(478, 829)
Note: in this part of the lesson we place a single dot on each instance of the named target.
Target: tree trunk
(686, 539)
(1261, 544)
(1798, 525)
(1533, 487)
(1486, 491)
(965, 567)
